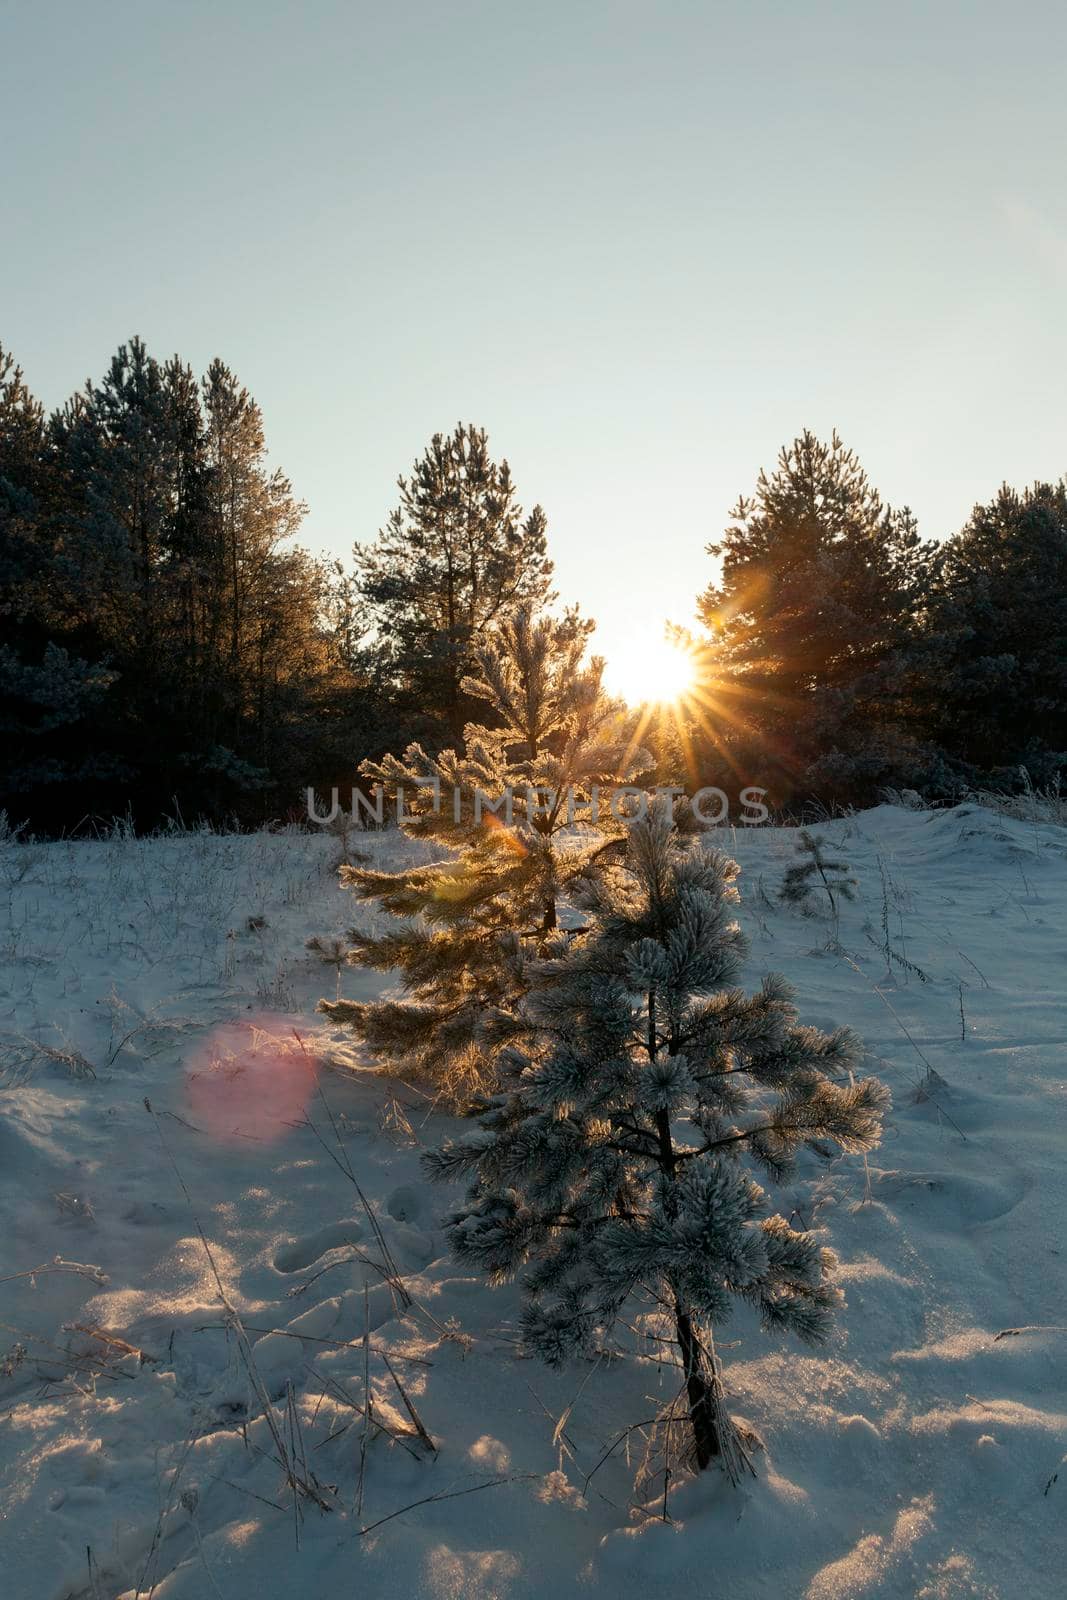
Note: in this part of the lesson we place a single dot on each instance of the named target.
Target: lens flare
(250, 1079)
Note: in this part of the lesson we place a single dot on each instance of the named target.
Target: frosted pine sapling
(467, 922)
(642, 1090)
(833, 879)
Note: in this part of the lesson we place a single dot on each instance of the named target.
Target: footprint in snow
(304, 1252)
(406, 1204)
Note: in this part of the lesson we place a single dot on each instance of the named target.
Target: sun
(651, 671)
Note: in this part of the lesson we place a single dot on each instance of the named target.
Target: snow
(916, 1455)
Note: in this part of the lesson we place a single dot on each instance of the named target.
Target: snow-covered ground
(916, 1456)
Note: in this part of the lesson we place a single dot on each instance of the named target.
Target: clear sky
(642, 243)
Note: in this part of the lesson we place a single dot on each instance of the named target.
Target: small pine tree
(641, 1088)
(468, 921)
(800, 879)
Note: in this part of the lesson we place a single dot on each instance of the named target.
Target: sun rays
(654, 671)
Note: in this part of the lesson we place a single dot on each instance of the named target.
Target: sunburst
(653, 671)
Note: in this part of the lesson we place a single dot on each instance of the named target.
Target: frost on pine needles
(643, 1093)
(816, 871)
(467, 922)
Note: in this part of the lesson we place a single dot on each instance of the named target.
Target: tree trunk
(699, 1386)
(696, 1363)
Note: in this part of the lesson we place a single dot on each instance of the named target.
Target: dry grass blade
(409, 1406)
(290, 1417)
(620, 1438)
(310, 1338)
(57, 1264)
(337, 1391)
(113, 1342)
(365, 1436)
(448, 1494)
(565, 1415)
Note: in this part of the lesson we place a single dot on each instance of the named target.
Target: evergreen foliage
(455, 558)
(642, 1091)
(816, 871)
(995, 655)
(45, 691)
(164, 640)
(819, 596)
(466, 921)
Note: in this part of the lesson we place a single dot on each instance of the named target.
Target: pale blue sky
(643, 244)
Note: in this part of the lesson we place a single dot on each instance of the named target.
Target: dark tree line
(844, 654)
(166, 641)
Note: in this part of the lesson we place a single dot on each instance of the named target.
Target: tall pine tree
(994, 662)
(821, 585)
(46, 693)
(456, 556)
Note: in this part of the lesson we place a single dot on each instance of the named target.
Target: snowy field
(916, 1456)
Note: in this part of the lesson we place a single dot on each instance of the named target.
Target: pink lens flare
(250, 1079)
